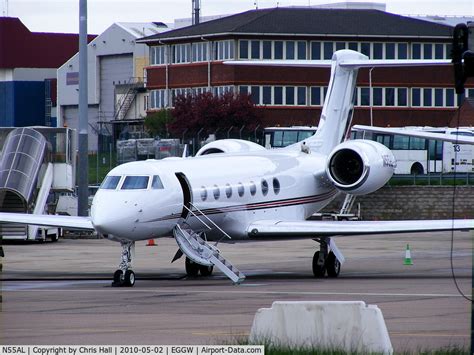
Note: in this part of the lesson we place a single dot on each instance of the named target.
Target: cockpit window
(110, 182)
(135, 182)
(156, 183)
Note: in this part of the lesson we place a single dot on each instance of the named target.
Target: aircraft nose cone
(110, 217)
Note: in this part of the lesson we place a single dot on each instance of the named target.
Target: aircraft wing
(275, 228)
(453, 138)
(68, 222)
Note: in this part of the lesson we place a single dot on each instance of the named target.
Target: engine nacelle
(360, 167)
(229, 146)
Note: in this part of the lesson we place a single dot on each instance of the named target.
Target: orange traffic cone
(151, 243)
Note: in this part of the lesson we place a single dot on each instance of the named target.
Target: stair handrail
(195, 215)
(202, 214)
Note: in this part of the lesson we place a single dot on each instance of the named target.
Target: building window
(316, 50)
(200, 51)
(365, 48)
(450, 97)
(416, 51)
(278, 95)
(416, 97)
(255, 94)
(439, 51)
(278, 49)
(389, 96)
(255, 49)
(402, 49)
(289, 95)
(181, 53)
(354, 46)
(328, 50)
(377, 51)
(315, 96)
(427, 97)
(301, 101)
(224, 50)
(427, 51)
(389, 50)
(340, 45)
(267, 95)
(301, 50)
(243, 49)
(158, 55)
(439, 95)
(290, 50)
(267, 49)
(158, 99)
(402, 97)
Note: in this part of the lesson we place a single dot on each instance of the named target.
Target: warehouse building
(117, 100)
(28, 65)
(190, 60)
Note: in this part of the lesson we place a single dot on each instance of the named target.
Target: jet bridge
(35, 165)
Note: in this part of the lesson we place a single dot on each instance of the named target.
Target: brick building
(191, 59)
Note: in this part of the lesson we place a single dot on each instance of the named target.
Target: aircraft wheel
(129, 279)
(206, 270)
(118, 279)
(192, 268)
(333, 266)
(318, 270)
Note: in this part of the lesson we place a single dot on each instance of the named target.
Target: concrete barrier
(349, 326)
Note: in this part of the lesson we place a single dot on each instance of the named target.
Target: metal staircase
(200, 251)
(124, 104)
(347, 204)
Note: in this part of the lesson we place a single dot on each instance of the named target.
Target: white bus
(280, 137)
(421, 156)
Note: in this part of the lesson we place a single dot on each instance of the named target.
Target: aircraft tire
(318, 271)
(192, 268)
(206, 270)
(333, 266)
(129, 279)
(118, 278)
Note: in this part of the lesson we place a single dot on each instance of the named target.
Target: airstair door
(187, 194)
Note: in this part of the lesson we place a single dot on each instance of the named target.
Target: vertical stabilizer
(338, 105)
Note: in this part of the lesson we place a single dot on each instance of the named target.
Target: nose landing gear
(124, 277)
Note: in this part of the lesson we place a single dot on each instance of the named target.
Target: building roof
(311, 22)
(20, 48)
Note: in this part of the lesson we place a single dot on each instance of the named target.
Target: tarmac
(60, 293)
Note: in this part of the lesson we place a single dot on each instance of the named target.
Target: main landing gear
(193, 269)
(325, 261)
(124, 277)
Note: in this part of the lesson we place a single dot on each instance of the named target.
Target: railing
(207, 218)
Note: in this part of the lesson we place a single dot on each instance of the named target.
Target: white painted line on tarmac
(184, 290)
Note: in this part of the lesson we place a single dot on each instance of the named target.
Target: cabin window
(264, 185)
(276, 186)
(253, 188)
(156, 184)
(228, 191)
(203, 193)
(217, 192)
(240, 189)
(135, 182)
(110, 182)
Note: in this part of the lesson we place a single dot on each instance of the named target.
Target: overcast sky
(62, 15)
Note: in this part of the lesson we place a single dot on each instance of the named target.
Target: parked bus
(421, 156)
(280, 137)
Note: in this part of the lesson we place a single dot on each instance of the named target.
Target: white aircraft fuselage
(232, 189)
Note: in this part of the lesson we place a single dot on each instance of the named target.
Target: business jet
(238, 190)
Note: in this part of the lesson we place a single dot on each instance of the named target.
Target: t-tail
(338, 108)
